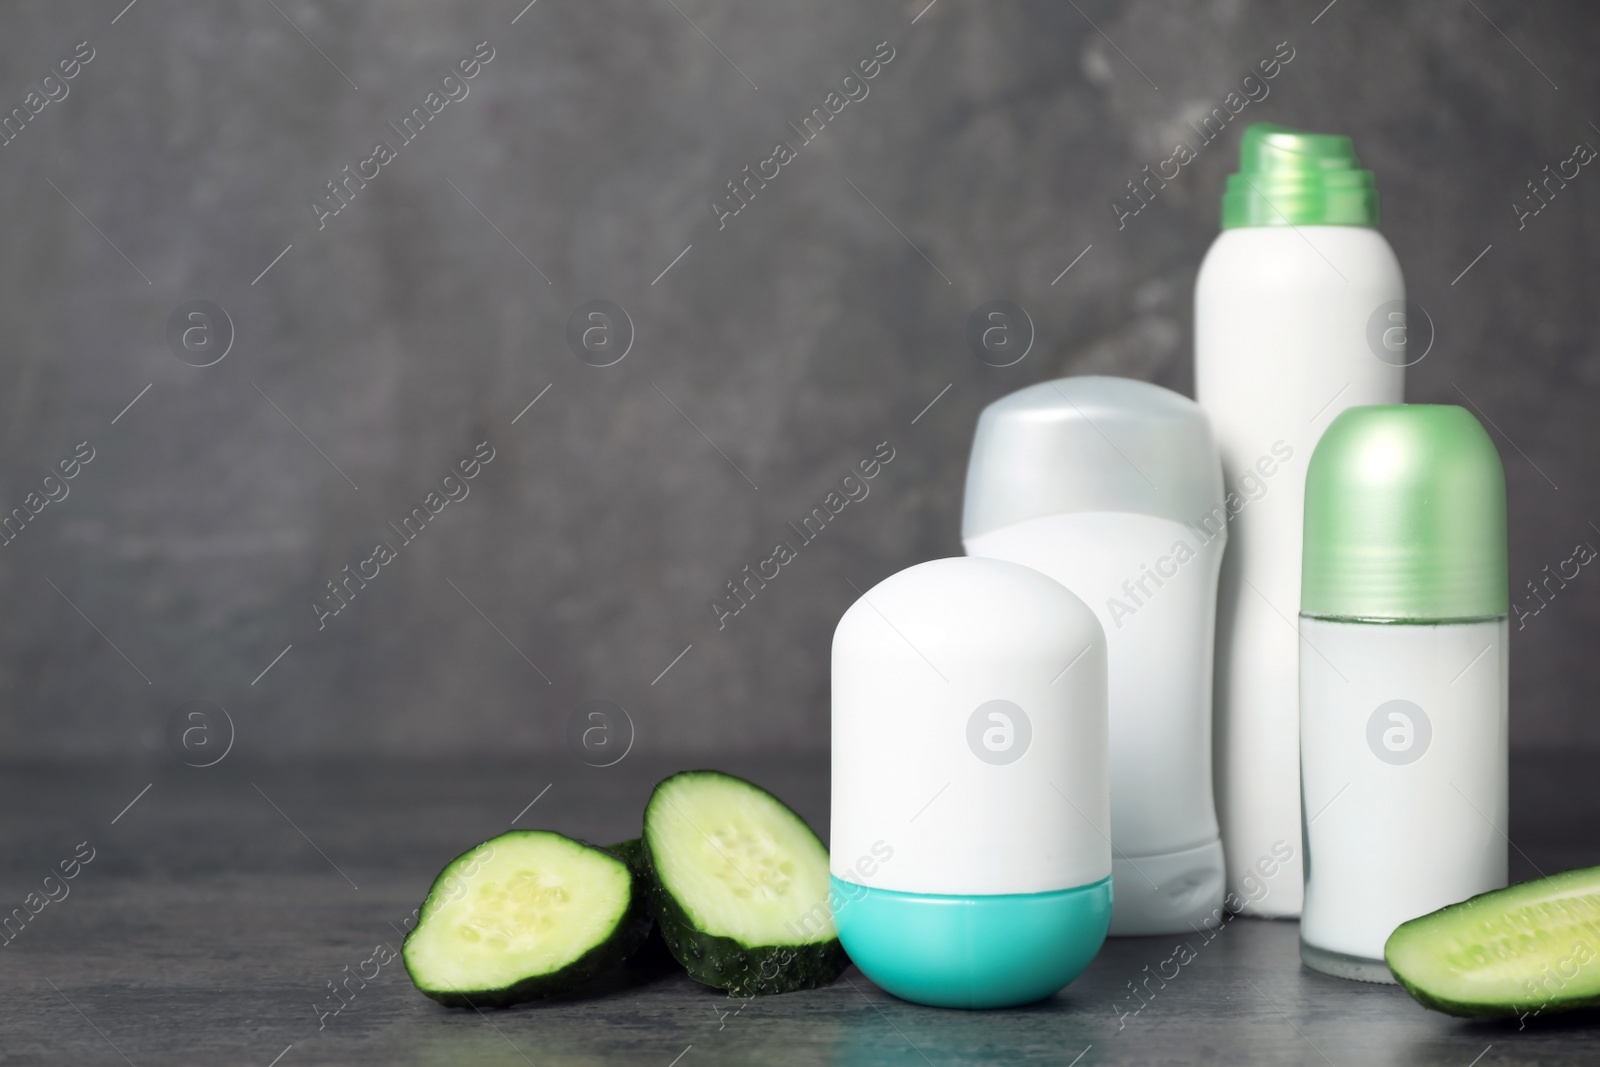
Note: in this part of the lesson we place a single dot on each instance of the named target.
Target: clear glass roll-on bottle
(1403, 678)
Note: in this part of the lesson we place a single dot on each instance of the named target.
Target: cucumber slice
(631, 852)
(1525, 950)
(739, 886)
(652, 959)
(525, 915)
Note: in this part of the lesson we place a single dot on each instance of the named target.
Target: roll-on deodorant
(970, 857)
(1287, 306)
(1403, 677)
(1113, 488)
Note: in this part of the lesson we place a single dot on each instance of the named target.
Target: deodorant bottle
(1283, 305)
(969, 853)
(1113, 488)
(1403, 672)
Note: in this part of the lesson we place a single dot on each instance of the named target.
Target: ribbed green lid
(1405, 517)
(1289, 178)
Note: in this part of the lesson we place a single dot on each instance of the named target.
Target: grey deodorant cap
(1091, 444)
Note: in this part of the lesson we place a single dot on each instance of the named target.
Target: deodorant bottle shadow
(969, 852)
(1113, 488)
(1403, 678)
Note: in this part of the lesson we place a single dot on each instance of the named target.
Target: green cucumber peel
(1527, 950)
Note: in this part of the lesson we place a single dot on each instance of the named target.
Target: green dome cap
(1289, 178)
(1405, 518)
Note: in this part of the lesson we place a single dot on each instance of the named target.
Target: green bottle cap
(1405, 518)
(1289, 178)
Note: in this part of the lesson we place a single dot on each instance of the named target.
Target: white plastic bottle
(1282, 307)
(1113, 488)
(1404, 660)
(969, 862)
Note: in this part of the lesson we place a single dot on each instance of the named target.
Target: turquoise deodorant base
(972, 951)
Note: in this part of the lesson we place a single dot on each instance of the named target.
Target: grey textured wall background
(797, 338)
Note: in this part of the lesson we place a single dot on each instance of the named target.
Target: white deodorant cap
(1091, 444)
(969, 734)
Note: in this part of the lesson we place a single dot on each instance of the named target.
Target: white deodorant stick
(1113, 487)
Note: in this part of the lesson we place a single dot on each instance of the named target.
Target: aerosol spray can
(1283, 306)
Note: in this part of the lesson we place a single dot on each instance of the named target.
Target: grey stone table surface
(207, 921)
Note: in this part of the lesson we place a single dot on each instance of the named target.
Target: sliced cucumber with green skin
(1526, 950)
(739, 886)
(631, 852)
(525, 915)
(652, 959)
